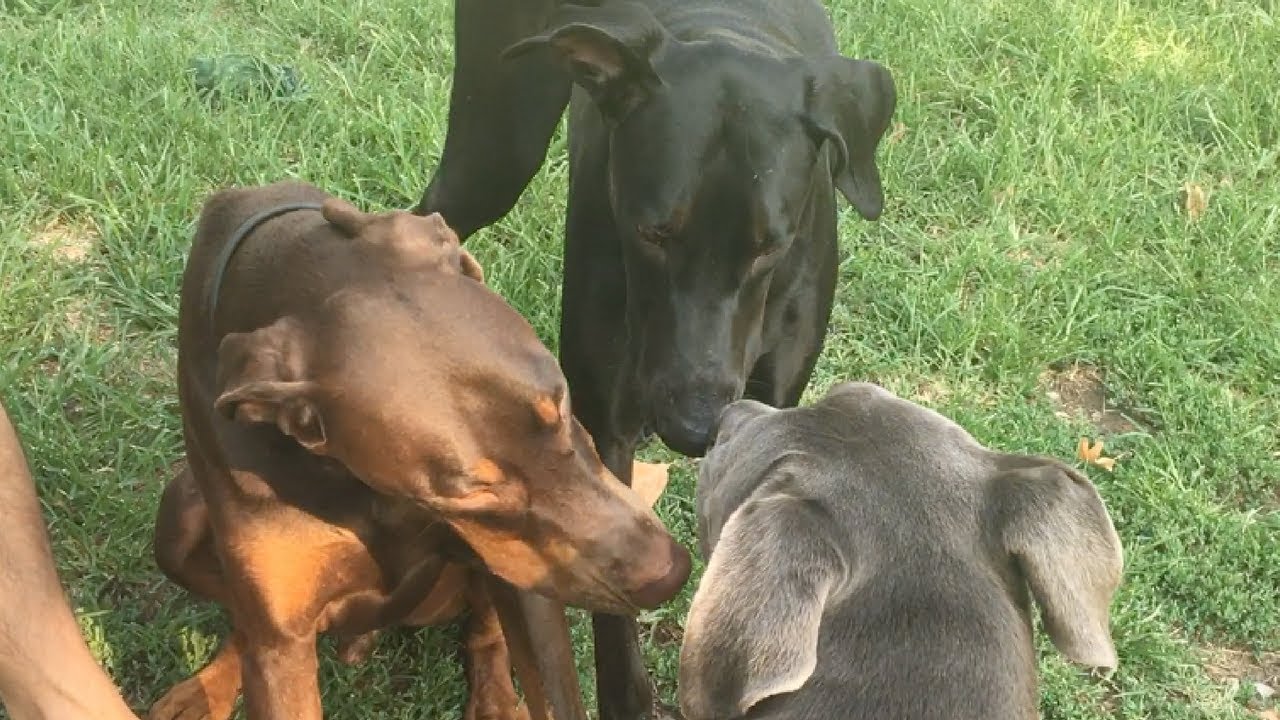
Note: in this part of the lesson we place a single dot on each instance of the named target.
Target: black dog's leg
(501, 113)
(623, 691)
(597, 360)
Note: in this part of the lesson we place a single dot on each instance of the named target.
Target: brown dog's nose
(661, 588)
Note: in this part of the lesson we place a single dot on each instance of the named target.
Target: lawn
(1082, 238)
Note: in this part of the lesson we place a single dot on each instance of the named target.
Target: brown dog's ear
(260, 380)
(849, 103)
(1055, 526)
(349, 220)
(607, 50)
(440, 230)
(743, 647)
(470, 267)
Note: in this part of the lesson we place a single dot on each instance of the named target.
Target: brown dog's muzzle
(645, 565)
(593, 544)
(656, 586)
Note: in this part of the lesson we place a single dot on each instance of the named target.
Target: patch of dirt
(70, 240)
(1079, 390)
(1235, 668)
(931, 392)
(82, 316)
(144, 598)
(50, 366)
(668, 632)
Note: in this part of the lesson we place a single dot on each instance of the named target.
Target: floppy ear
(752, 630)
(1055, 526)
(735, 414)
(606, 49)
(849, 103)
(260, 380)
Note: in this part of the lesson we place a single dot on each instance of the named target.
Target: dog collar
(237, 239)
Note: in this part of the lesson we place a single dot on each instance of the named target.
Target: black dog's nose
(688, 440)
(687, 415)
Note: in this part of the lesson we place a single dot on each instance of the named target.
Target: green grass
(1034, 221)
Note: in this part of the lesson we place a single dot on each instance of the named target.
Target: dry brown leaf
(1194, 200)
(1269, 714)
(899, 132)
(1092, 454)
(649, 480)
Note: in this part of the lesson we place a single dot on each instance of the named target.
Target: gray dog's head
(800, 509)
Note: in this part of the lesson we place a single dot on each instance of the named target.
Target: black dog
(890, 561)
(707, 139)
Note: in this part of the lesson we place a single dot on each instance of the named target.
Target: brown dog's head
(428, 386)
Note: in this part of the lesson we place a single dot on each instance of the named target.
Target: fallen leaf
(1269, 715)
(649, 480)
(899, 132)
(1092, 454)
(1194, 200)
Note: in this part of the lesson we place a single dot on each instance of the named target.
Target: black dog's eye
(657, 235)
(772, 244)
(769, 250)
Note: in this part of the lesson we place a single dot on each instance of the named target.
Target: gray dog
(869, 559)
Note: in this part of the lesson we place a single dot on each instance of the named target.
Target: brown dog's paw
(355, 650)
(495, 706)
(189, 700)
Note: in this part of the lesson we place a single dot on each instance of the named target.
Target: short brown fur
(362, 451)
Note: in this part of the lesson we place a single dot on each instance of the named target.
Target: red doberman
(374, 437)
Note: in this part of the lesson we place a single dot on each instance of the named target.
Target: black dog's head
(715, 152)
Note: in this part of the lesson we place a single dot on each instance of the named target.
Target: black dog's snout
(688, 421)
(687, 438)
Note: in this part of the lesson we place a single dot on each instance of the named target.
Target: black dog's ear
(260, 381)
(607, 49)
(849, 103)
(1056, 528)
(752, 630)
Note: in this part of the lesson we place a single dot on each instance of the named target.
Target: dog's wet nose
(661, 587)
(686, 415)
(687, 438)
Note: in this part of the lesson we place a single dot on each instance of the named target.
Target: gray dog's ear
(1056, 528)
(849, 103)
(752, 630)
(260, 380)
(736, 413)
(606, 49)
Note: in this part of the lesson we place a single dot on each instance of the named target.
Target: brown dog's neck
(237, 239)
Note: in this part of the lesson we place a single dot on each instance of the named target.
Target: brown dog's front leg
(492, 695)
(209, 694)
(281, 681)
(538, 638)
